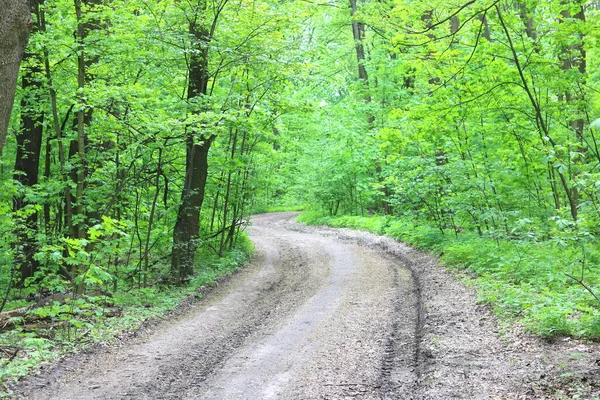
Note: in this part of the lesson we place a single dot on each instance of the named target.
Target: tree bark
(358, 32)
(27, 160)
(15, 23)
(187, 225)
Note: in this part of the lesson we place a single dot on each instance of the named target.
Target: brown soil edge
(52, 369)
(509, 363)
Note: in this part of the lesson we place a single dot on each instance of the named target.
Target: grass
(84, 322)
(523, 280)
(280, 208)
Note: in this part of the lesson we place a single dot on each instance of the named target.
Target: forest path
(319, 314)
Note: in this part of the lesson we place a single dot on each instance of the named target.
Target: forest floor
(326, 313)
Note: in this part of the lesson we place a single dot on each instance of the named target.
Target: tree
(187, 225)
(15, 23)
(27, 159)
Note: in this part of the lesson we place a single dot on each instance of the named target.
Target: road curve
(325, 313)
(312, 317)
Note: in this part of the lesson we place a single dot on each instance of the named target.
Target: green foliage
(470, 135)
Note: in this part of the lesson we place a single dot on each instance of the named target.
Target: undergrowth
(280, 208)
(73, 324)
(547, 285)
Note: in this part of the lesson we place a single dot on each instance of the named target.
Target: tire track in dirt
(322, 313)
(401, 359)
(182, 353)
(311, 317)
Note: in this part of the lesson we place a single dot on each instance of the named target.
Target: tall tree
(187, 226)
(27, 160)
(574, 58)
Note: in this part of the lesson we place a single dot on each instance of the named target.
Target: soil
(326, 313)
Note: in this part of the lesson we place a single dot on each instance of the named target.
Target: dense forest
(144, 134)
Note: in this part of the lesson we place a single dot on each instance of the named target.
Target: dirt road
(319, 314)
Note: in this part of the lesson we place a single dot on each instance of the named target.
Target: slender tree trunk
(80, 117)
(47, 163)
(86, 215)
(83, 118)
(58, 131)
(575, 58)
(525, 13)
(234, 134)
(358, 33)
(146, 257)
(15, 23)
(543, 129)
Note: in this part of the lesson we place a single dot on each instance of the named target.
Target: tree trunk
(80, 116)
(27, 160)
(525, 13)
(358, 32)
(15, 22)
(575, 58)
(88, 214)
(543, 128)
(187, 225)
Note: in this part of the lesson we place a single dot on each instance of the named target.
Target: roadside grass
(75, 324)
(532, 282)
(280, 208)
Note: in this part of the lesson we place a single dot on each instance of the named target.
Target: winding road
(319, 314)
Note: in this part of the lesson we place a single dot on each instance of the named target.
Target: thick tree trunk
(15, 22)
(187, 225)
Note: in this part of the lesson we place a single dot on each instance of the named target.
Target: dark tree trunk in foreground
(187, 226)
(15, 21)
